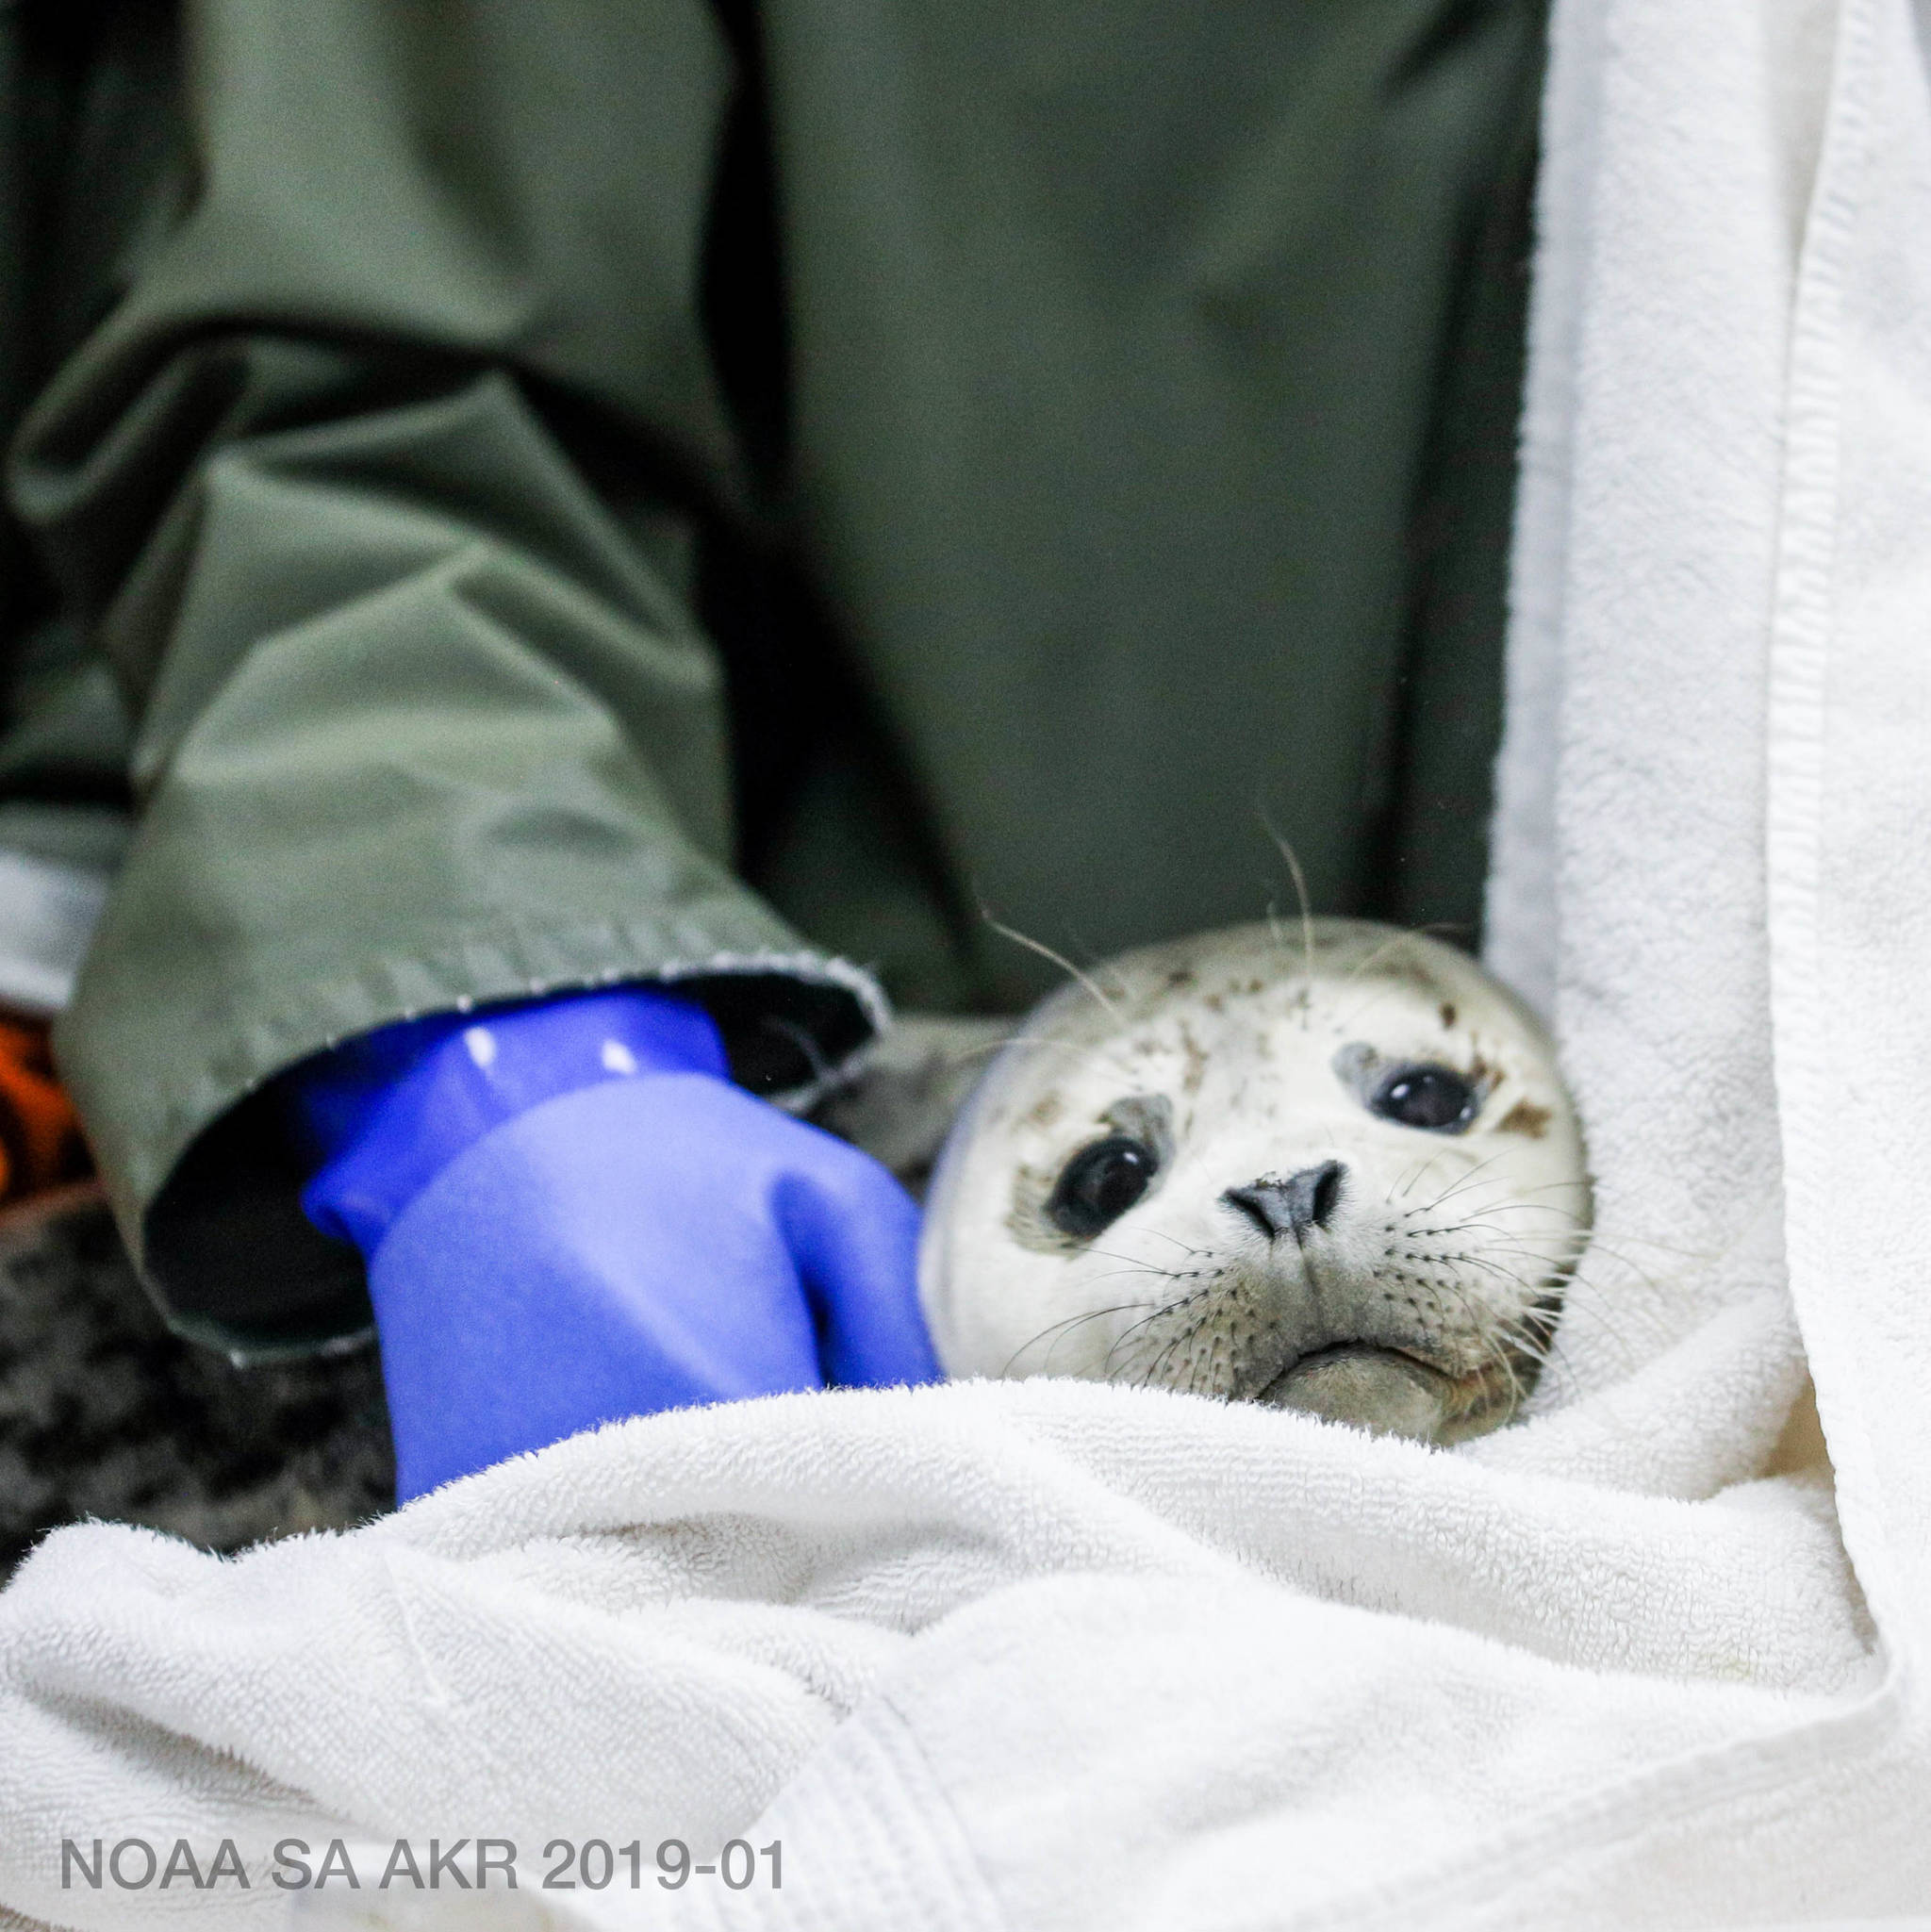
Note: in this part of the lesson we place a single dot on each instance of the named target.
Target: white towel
(1053, 1655)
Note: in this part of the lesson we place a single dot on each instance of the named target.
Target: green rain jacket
(606, 489)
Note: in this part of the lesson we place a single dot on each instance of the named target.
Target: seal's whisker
(1416, 1180)
(1140, 1262)
(1525, 1342)
(1058, 959)
(1186, 1248)
(1557, 1246)
(1610, 1251)
(1542, 1343)
(1516, 1240)
(1060, 1330)
(1408, 1176)
(1534, 1336)
(1392, 943)
(1564, 1215)
(1499, 1271)
(1184, 1336)
(1490, 1341)
(1085, 1053)
(1560, 1251)
(1587, 1306)
(1571, 1241)
(1275, 929)
(1467, 1179)
(1151, 1274)
(1504, 1359)
(1493, 1349)
(1307, 910)
(1703, 1257)
(1115, 1369)
(1563, 1350)
(1517, 1206)
(998, 1046)
(1166, 1308)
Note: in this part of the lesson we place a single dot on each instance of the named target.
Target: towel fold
(1057, 1655)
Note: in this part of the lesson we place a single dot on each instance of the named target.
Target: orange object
(40, 1143)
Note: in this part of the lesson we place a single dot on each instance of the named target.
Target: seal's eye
(1100, 1183)
(1436, 1098)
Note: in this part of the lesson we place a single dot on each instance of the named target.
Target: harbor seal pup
(1332, 1167)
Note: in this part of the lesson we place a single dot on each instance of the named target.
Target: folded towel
(1053, 1655)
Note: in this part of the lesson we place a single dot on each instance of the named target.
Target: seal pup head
(1341, 1177)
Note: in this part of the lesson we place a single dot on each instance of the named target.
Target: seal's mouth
(1389, 1392)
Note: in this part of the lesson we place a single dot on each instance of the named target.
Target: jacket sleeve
(421, 717)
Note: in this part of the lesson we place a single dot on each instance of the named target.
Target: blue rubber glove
(571, 1215)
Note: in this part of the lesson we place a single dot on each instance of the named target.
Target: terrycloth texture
(1052, 1655)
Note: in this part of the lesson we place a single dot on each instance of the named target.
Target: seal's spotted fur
(1329, 1168)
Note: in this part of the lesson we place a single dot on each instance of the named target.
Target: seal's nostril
(1324, 1190)
(1257, 1203)
(1293, 1206)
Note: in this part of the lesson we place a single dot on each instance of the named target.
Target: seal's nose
(1293, 1206)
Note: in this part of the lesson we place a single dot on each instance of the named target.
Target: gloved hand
(570, 1216)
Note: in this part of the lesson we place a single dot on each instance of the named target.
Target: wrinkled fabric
(1054, 1655)
(585, 493)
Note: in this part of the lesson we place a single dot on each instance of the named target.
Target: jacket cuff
(204, 1178)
